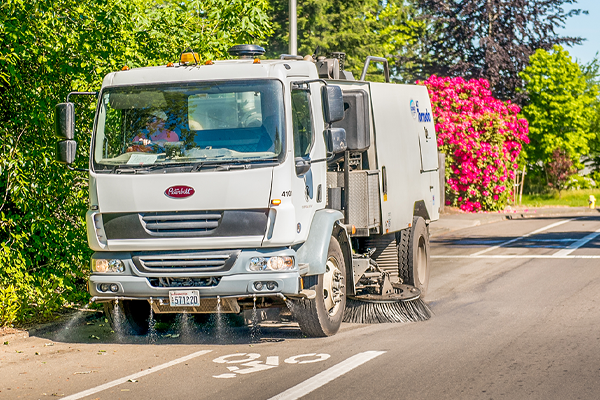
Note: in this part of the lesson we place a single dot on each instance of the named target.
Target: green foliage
(571, 198)
(559, 108)
(358, 28)
(578, 182)
(48, 48)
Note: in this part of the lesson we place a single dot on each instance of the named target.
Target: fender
(314, 251)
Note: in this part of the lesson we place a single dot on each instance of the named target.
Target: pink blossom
(481, 135)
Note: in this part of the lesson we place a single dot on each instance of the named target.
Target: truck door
(308, 187)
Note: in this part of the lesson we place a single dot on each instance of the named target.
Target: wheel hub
(332, 286)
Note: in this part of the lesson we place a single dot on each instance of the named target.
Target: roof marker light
(170, 64)
(189, 57)
(209, 62)
(256, 61)
(125, 68)
(276, 202)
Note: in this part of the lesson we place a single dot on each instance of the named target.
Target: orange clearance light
(256, 61)
(276, 202)
(170, 64)
(125, 68)
(353, 229)
(209, 62)
(189, 57)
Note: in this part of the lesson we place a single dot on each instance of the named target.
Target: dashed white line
(545, 228)
(321, 379)
(574, 246)
(134, 376)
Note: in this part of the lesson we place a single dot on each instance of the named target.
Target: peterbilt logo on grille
(179, 191)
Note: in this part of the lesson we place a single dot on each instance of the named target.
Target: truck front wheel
(128, 316)
(413, 255)
(322, 316)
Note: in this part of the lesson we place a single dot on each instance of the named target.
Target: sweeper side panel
(406, 153)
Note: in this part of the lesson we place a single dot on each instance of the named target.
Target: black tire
(132, 318)
(322, 316)
(413, 255)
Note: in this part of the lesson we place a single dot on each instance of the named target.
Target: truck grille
(184, 282)
(214, 261)
(180, 224)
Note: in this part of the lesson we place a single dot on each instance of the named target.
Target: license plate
(184, 298)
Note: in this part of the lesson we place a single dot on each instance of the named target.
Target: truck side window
(302, 121)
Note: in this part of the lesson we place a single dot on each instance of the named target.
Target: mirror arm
(77, 169)
(328, 158)
(81, 94)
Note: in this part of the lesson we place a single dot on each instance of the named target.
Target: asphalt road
(517, 315)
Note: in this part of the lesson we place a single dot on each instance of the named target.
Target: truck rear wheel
(128, 316)
(322, 316)
(413, 255)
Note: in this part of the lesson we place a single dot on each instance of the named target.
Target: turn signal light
(276, 202)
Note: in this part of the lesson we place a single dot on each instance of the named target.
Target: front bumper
(237, 281)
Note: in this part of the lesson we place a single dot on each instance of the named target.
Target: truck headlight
(108, 266)
(277, 263)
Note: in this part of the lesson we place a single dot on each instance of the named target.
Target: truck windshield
(189, 125)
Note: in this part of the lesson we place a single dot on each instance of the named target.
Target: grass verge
(570, 198)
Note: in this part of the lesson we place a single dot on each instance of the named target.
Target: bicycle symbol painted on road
(250, 360)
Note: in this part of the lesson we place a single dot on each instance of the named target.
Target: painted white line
(119, 381)
(545, 228)
(304, 388)
(574, 246)
(559, 257)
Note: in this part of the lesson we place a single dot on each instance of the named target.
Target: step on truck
(227, 185)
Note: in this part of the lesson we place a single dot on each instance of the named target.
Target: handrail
(386, 69)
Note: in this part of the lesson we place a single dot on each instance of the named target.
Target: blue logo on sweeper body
(424, 116)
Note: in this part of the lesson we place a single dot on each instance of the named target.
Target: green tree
(51, 47)
(357, 27)
(558, 109)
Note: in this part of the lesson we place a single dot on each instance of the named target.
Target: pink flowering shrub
(481, 137)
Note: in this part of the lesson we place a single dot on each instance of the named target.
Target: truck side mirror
(333, 104)
(66, 150)
(64, 121)
(336, 140)
(302, 165)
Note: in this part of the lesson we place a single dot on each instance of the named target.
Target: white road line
(559, 257)
(134, 376)
(545, 228)
(304, 388)
(574, 246)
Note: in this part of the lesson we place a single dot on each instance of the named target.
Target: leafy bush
(481, 137)
(47, 49)
(578, 182)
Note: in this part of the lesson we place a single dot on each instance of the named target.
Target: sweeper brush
(403, 305)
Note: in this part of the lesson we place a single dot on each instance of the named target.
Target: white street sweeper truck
(227, 185)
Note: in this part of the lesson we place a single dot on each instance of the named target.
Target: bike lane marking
(148, 371)
(321, 379)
